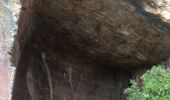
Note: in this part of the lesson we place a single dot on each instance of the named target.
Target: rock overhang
(113, 32)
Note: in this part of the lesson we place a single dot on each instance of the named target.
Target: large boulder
(114, 31)
(86, 49)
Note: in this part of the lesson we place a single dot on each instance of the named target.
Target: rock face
(7, 30)
(85, 49)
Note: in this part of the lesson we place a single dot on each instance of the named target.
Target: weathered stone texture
(85, 49)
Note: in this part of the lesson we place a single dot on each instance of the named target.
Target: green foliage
(156, 85)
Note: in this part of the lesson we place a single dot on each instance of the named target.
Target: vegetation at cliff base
(156, 85)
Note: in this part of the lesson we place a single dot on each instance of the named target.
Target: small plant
(156, 85)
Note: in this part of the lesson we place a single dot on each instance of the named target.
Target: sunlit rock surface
(4, 78)
(86, 49)
(159, 7)
(8, 28)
